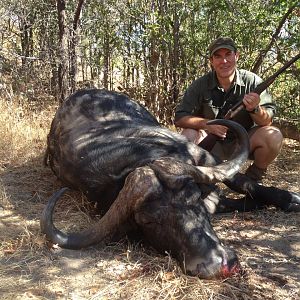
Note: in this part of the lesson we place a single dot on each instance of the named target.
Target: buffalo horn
(138, 185)
(175, 172)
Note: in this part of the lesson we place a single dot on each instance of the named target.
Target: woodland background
(151, 50)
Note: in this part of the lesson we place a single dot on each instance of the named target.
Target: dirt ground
(267, 242)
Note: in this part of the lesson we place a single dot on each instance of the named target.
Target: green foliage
(151, 49)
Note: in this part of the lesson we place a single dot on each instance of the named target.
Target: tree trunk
(175, 55)
(62, 51)
(73, 46)
(106, 58)
(26, 38)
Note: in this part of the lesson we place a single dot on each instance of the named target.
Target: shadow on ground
(267, 242)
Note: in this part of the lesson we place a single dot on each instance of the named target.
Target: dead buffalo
(146, 177)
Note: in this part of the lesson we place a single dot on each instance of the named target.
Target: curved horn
(167, 167)
(238, 158)
(138, 185)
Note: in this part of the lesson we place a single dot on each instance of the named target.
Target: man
(211, 95)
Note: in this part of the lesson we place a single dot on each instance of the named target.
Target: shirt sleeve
(190, 102)
(266, 100)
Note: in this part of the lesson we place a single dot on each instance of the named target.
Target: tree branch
(263, 53)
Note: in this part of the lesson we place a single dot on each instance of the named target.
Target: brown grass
(267, 241)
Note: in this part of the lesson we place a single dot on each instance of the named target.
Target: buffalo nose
(230, 265)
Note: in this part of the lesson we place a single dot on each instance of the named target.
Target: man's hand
(217, 130)
(199, 123)
(251, 101)
(261, 116)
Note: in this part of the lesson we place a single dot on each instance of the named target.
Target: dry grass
(268, 241)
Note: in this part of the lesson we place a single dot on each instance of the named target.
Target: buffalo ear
(167, 173)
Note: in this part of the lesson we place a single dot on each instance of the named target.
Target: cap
(221, 42)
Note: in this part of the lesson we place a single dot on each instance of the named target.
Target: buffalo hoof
(294, 205)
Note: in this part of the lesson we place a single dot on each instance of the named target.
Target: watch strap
(255, 110)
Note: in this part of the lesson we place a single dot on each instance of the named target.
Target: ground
(267, 241)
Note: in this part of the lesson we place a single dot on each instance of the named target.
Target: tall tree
(73, 45)
(62, 51)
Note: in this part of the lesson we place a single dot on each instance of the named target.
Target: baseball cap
(221, 42)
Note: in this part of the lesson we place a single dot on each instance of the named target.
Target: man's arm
(192, 122)
(257, 112)
(265, 111)
(199, 123)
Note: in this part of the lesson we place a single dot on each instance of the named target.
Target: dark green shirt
(206, 99)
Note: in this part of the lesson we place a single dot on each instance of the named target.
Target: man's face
(224, 62)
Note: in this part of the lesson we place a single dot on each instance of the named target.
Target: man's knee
(193, 135)
(267, 136)
(274, 138)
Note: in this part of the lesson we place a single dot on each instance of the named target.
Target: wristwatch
(255, 110)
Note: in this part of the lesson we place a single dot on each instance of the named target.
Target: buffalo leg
(258, 196)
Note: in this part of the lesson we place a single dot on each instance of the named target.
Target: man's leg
(196, 136)
(265, 145)
(193, 135)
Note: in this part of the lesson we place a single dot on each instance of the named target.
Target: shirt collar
(238, 78)
(213, 83)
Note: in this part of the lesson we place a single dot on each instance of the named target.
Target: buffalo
(148, 178)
